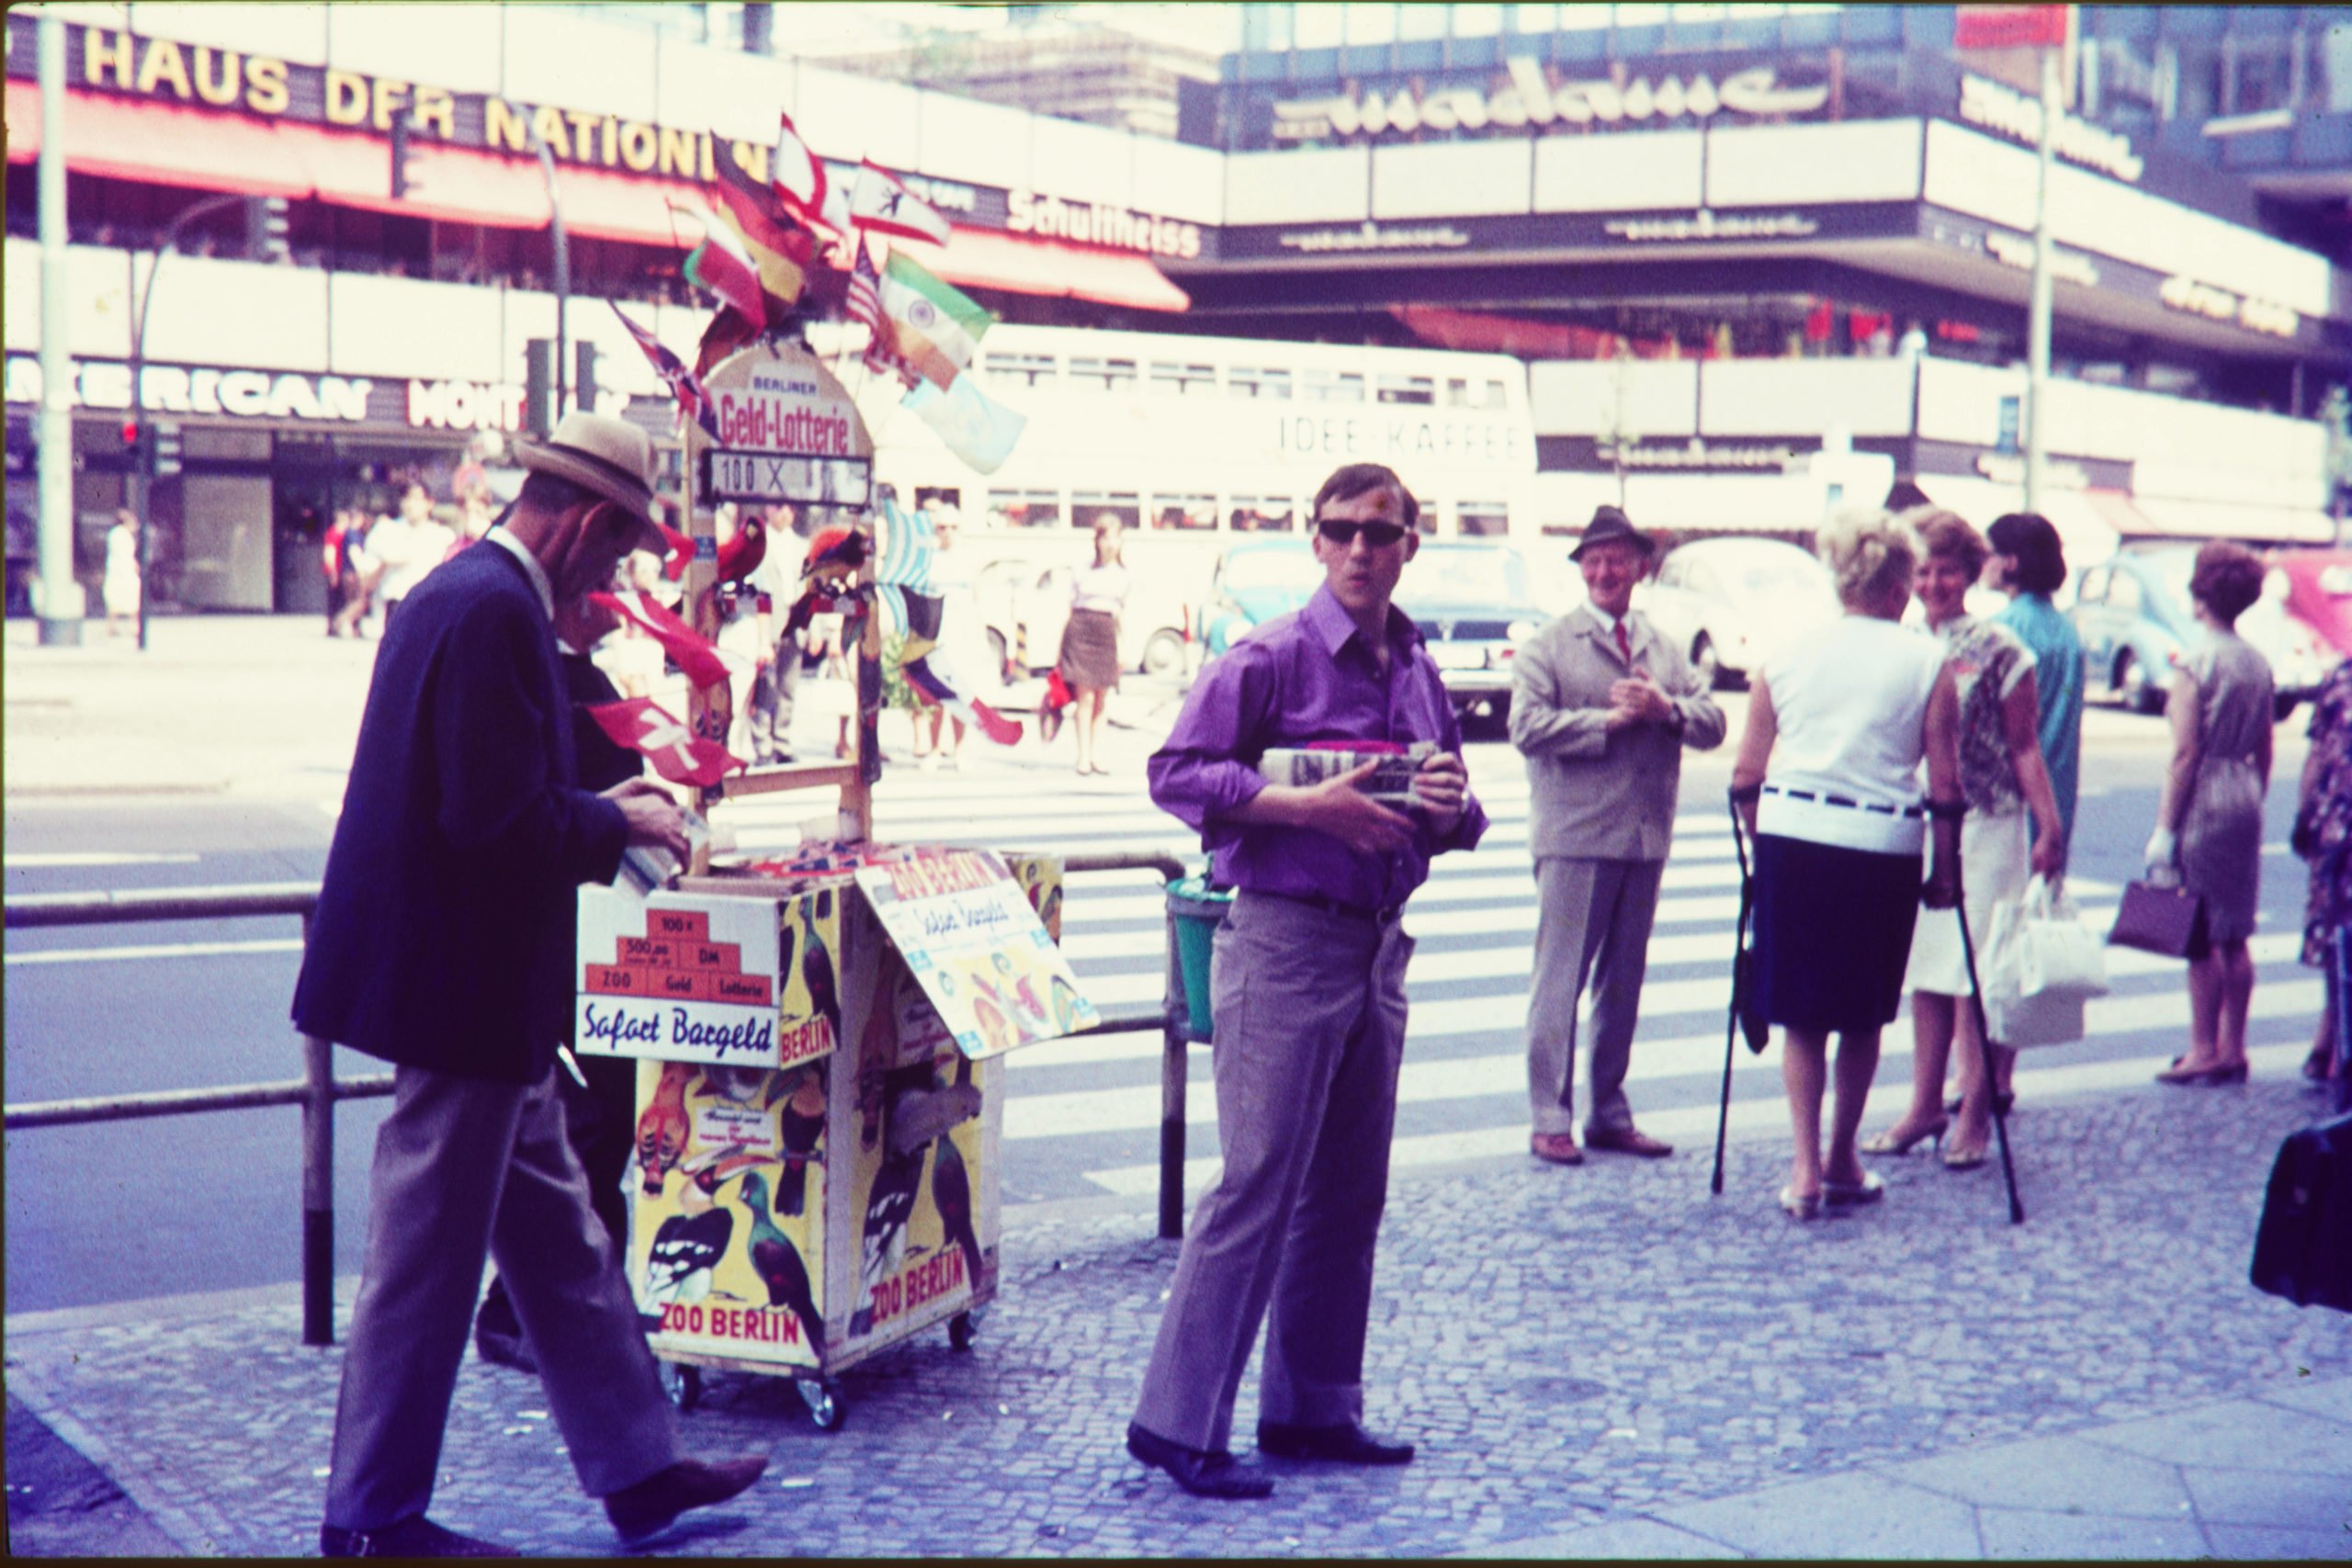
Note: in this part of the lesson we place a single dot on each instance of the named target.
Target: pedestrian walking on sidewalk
(1601, 707)
(1828, 782)
(2322, 839)
(1089, 659)
(1308, 985)
(442, 944)
(2003, 778)
(2209, 817)
(120, 587)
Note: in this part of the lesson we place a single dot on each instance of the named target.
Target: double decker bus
(1194, 443)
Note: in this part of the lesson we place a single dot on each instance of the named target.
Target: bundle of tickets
(1391, 782)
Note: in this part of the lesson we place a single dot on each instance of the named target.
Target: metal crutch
(1984, 1038)
(1738, 947)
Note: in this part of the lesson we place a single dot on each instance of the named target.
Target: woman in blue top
(2029, 564)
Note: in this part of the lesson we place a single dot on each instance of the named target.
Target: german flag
(763, 218)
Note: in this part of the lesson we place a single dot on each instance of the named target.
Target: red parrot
(740, 556)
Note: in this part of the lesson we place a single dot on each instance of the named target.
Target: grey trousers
(1310, 1032)
(1593, 915)
(466, 1169)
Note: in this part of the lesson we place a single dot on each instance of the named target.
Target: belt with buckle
(1346, 911)
(1915, 813)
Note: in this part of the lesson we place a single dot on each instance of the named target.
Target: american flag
(864, 300)
(693, 398)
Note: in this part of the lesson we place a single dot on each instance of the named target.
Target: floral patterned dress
(2324, 826)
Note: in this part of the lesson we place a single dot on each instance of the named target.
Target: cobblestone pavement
(1603, 1361)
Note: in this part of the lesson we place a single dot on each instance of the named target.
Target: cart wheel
(685, 1386)
(826, 1408)
(960, 1330)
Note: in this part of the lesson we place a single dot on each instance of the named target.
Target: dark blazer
(444, 936)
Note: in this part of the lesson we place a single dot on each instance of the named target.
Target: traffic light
(265, 228)
(402, 128)
(583, 376)
(539, 387)
(162, 449)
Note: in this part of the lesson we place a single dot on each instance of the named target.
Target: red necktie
(1624, 644)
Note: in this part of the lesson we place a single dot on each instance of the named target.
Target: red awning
(983, 258)
(169, 144)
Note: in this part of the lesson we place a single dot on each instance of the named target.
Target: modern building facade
(1733, 243)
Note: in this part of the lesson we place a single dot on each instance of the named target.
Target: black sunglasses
(1379, 536)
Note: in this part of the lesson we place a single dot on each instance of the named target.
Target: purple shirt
(1301, 678)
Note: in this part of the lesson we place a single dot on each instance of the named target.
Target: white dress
(120, 585)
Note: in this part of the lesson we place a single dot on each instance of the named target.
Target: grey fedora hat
(610, 456)
(1610, 524)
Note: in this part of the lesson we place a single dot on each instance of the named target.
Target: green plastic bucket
(1195, 912)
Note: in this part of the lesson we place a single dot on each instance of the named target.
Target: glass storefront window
(1111, 375)
(1484, 519)
(1331, 387)
(1030, 369)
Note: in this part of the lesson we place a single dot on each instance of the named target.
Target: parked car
(2132, 612)
(1730, 601)
(2319, 592)
(1474, 601)
(1025, 604)
(1253, 583)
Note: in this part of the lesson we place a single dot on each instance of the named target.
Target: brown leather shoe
(1555, 1148)
(1626, 1140)
(654, 1504)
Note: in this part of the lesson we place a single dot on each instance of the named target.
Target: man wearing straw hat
(1601, 707)
(441, 946)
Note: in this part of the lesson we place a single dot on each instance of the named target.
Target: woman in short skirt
(1090, 660)
(1838, 721)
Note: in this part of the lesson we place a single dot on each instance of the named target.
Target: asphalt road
(130, 1211)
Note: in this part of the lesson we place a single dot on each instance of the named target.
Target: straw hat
(610, 456)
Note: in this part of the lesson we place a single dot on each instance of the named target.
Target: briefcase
(2169, 921)
(2302, 1250)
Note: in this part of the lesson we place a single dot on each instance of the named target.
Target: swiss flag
(693, 654)
(676, 752)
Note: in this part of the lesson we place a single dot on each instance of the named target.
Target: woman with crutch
(2002, 778)
(1828, 782)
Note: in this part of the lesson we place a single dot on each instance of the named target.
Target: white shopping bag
(2042, 965)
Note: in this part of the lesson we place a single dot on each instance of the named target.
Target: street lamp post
(142, 477)
(562, 265)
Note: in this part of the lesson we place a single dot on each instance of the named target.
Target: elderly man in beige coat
(1601, 707)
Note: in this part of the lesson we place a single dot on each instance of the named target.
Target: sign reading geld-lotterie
(787, 432)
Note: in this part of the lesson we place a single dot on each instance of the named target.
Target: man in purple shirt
(1308, 991)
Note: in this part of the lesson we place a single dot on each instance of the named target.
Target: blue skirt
(1833, 933)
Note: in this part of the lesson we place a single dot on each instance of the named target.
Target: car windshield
(1467, 574)
(1248, 571)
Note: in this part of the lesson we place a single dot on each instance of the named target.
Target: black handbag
(2302, 1250)
(2169, 921)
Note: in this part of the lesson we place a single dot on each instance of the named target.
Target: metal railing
(318, 1089)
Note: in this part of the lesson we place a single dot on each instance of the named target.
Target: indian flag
(933, 327)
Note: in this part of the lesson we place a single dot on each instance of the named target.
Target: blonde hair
(1870, 555)
(1950, 535)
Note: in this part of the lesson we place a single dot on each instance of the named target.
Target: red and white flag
(880, 203)
(675, 752)
(722, 265)
(691, 652)
(799, 176)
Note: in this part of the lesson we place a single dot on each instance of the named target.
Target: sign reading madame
(1530, 100)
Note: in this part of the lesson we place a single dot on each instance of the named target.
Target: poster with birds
(728, 1237)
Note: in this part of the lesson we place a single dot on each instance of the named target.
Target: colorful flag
(693, 398)
(903, 577)
(799, 176)
(689, 651)
(863, 303)
(727, 330)
(778, 276)
(676, 752)
(975, 427)
(881, 203)
(721, 266)
(931, 327)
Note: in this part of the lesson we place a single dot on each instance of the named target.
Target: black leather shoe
(1347, 1443)
(1202, 1475)
(419, 1537)
(654, 1504)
